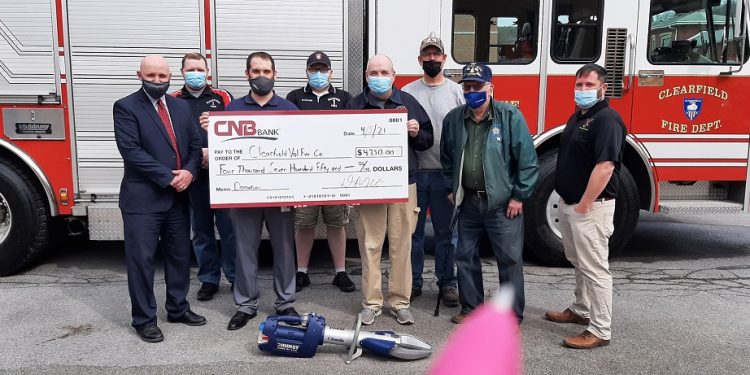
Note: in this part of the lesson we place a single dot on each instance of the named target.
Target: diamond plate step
(699, 207)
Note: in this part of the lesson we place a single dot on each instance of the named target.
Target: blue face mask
(379, 85)
(475, 99)
(195, 80)
(586, 98)
(318, 80)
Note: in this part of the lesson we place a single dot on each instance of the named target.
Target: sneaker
(368, 315)
(403, 316)
(344, 283)
(207, 291)
(302, 281)
(450, 296)
(415, 292)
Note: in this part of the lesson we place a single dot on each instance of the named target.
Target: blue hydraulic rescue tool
(277, 336)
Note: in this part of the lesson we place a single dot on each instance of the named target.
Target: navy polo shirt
(398, 100)
(247, 103)
(210, 99)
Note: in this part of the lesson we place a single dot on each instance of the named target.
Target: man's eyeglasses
(474, 86)
(428, 54)
(318, 70)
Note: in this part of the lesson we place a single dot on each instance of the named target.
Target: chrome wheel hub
(553, 219)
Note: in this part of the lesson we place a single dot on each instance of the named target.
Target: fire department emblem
(473, 70)
(692, 107)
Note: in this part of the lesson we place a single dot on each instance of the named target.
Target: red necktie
(162, 109)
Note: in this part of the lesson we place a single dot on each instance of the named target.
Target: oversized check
(291, 158)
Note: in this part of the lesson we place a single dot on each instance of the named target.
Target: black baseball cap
(318, 57)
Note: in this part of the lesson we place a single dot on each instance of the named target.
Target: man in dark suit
(161, 151)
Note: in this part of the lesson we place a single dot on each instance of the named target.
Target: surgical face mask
(431, 68)
(475, 99)
(195, 80)
(261, 85)
(318, 80)
(586, 98)
(379, 85)
(155, 90)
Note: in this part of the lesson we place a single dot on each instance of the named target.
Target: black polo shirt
(305, 99)
(210, 99)
(588, 139)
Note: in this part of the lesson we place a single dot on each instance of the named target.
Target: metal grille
(614, 61)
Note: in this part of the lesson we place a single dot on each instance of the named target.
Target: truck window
(495, 32)
(695, 32)
(576, 30)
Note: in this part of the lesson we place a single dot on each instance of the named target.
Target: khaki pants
(586, 242)
(373, 221)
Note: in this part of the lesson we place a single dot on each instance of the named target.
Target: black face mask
(155, 90)
(431, 67)
(261, 85)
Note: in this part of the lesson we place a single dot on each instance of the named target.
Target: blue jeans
(506, 237)
(431, 193)
(210, 260)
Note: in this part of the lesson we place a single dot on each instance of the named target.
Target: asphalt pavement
(681, 306)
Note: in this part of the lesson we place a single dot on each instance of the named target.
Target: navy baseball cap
(476, 72)
(318, 57)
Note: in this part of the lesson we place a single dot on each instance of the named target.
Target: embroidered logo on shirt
(213, 103)
(585, 126)
(334, 102)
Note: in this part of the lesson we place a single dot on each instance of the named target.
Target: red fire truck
(676, 77)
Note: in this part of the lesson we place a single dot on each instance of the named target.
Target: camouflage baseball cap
(431, 40)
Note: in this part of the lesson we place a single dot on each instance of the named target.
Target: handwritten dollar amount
(378, 152)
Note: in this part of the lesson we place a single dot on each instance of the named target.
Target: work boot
(415, 292)
(302, 281)
(450, 296)
(207, 291)
(343, 281)
(566, 316)
(585, 340)
(459, 318)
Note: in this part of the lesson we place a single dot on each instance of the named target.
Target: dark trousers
(432, 195)
(211, 259)
(506, 237)
(142, 239)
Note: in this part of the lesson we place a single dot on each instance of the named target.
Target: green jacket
(510, 162)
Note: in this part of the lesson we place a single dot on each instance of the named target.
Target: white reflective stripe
(699, 164)
(697, 150)
(692, 136)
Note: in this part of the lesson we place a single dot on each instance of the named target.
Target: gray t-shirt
(437, 101)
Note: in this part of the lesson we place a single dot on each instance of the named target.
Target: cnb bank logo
(243, 129)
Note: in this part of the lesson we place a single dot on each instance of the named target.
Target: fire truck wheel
(24, 219)
(542, 235)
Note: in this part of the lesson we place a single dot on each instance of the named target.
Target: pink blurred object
(486, 343)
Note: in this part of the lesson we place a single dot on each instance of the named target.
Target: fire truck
(677, 76)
